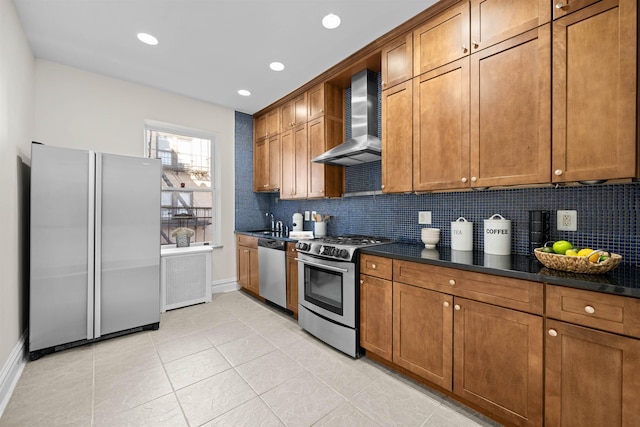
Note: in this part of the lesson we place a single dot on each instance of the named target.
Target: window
(188, 192)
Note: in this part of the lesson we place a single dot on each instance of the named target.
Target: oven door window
(323, 288)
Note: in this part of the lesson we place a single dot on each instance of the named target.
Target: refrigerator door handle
(91, 247)
(97, 246)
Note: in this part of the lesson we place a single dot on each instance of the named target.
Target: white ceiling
(208, 49)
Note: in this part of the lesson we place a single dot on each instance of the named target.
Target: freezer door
(127, 242)
(60, 283)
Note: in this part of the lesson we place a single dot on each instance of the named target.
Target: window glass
(187, 198)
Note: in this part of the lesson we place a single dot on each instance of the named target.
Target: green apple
(562, 246)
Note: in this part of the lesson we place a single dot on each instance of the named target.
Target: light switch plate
(424, 217)
(307, 216)
(567, 220)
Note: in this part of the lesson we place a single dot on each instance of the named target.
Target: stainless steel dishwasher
(272, 269)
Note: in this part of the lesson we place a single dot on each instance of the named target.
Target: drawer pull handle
(373, 266)
(456, 307)
(446, 304)
(589, 309)
(553, 332)
(452, 282)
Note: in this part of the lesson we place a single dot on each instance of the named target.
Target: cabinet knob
(558, 172)
(384, 84)
(361, 282)
(474, 179)
(464, 179)
(475, 44)
(559, 5)
(589, 309)
(456, 307)
(373, 266)
(446, 304)
(452, 282)
(464, 47)
(382, 186)
(245, 251)
(553, 332)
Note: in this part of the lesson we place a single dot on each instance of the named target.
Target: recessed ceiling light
(276, 66)
(148, 39)
(331, 21)
(244, 92)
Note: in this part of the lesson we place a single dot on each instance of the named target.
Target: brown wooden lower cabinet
(498, 360)
(292, 278)
(592, 377)
(423, 333)
(247, 263)
(376, 315)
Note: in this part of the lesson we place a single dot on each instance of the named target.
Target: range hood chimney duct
(364, 146)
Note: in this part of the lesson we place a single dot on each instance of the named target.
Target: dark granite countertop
(623, 280)
(267, 233)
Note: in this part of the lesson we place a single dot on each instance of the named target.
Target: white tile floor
(233, 362)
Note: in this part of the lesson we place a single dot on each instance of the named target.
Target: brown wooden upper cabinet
(295, 163)
(266, 164)
(324, 133)
(442, 39)
(494, 21)
(324, 99)
(510, 111)
(565, 7)
(594, 92)
(397, 61)
(293, 113)
(397, 139)
(260, 128)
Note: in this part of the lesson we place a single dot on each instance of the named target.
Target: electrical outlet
(307, 216)
(567, 220)
(424, 217)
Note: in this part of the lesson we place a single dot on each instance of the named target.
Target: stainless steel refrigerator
(95, 246)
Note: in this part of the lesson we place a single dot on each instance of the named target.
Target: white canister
(320, 229)
(297, 222)
(497, 235)
(461, 235)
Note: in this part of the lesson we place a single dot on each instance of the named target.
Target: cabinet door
(594, 93)
(397, 61)
(443, 39)
(494, 21)
(254, 279)
(288, 177)
(422, 333)
(293, 113)
(315, 101)
(498, 360)
(242, 256)
(260, 128)
(274, 151)
(376, 317)
(292, 279)
(261, 166)
(441, 128)
(273, 122)
(397, 139)
(510, 111)
(592, 377)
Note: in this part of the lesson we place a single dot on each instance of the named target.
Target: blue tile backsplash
(607, 213)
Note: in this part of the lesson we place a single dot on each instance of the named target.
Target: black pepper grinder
(539, 227)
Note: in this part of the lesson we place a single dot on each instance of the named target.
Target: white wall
(78, 109)
(16, 106)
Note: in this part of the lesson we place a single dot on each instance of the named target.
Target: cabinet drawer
(517, 294)
(376, 266)
(243, 240)
(611, 313)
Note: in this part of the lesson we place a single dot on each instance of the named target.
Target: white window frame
(216, 178)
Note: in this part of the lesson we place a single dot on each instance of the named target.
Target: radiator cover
(185, 277)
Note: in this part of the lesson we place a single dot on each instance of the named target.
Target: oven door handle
(327, 267)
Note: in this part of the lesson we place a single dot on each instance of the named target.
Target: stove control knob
(327, 250)
(302, 246)
(343, 253)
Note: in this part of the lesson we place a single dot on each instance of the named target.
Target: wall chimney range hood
(364, 146)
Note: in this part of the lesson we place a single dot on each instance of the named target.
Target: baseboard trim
(11, 371)
(224, 285)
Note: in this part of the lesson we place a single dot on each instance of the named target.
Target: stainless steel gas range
(328, 289)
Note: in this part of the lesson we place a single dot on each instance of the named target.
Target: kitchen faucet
(279, 227)
(273, 224)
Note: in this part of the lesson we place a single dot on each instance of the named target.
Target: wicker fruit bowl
(577, 264)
